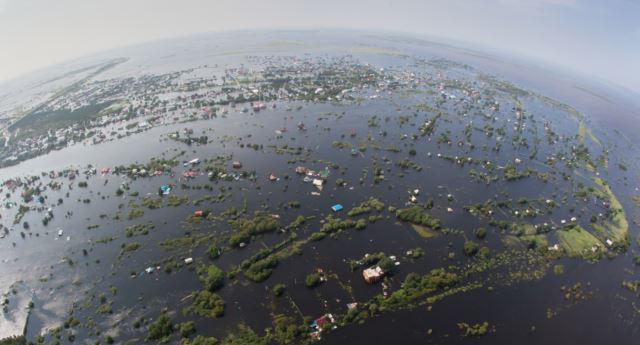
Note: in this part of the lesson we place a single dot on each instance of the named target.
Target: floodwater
(518, 312)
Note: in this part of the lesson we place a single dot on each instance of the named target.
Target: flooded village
(286, 195)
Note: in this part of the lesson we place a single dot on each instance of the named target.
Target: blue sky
(597, 37)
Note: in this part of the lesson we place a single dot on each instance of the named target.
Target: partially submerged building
(372, 274)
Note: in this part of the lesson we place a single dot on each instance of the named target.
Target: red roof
(190, 173)
(322, 321)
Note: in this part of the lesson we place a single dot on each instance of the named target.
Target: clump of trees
(201, 340)
(476, 330)
(416, 286)
(211, 277)
(186, 329)
(286, 330)
(416, 215)
(379, 259)
(261, 270)
(313, 280)
(279, 289)
(470, 248)
(206, 304)
(317, 236)
(161, 329)
(246, 228)
(214, 252)
(336, 224)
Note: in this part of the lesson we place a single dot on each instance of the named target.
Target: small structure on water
(372, 274)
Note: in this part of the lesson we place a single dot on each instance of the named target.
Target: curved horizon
(590, 37)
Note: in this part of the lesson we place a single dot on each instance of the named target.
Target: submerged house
(190, 174)
(319, 324)
(372, 274)
(322, 321)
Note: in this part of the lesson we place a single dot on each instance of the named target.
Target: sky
(597, 37)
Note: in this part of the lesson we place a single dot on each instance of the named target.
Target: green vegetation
(261, 269)
(139, 229)
(135, 212)
(415, 253)
(380, 259)
(475, 330)
(313, 280)
(39, 122)
(152, 203)
(211, 277)
(558, 269)
(366, 207)
(317, 236)
(206, 304)
(186, 329)
(511, 173)
(244, 335)
(246, 228)
(200, 340)
(577, 242)
(214, 252)
(416, 287)
(279, 289)
(424, 231)
(416, 215)
(161, 329)
(332, 224)
(618, 227)
(470, 248)
(129, 247)
(175, 201)
(191, 241)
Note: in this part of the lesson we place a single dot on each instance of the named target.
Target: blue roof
(336, 207)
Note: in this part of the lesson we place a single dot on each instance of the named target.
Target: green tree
(206, 304)
(470, 248)
(186, 329)
(312, 280)
(161, 329)
(211, 276)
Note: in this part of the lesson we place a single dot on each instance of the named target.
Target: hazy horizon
(597, 39)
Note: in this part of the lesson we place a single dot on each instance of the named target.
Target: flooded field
(293, 188)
